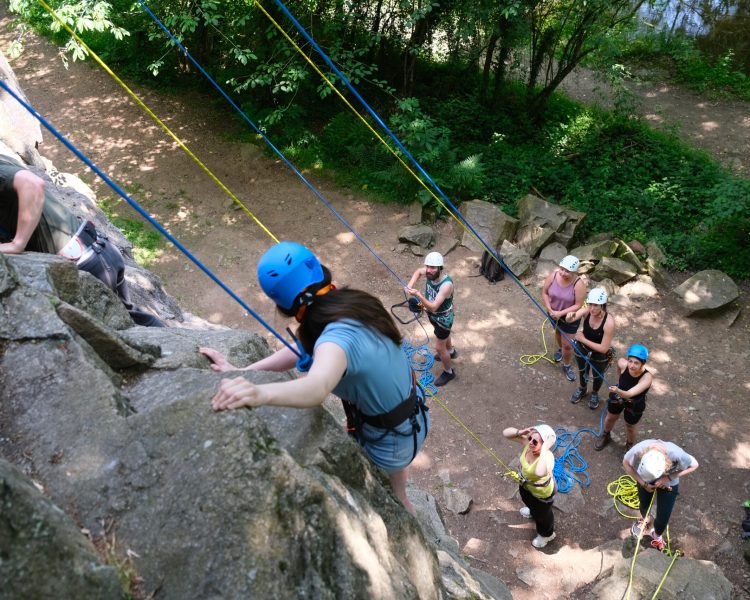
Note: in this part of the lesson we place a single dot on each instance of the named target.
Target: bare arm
(609, 332)
(30, 191)
(414, 278)
(639, 388)
(579, 314)
(545, 295)
(329, 365)
(445, 290)
(516, 435)
(547, 464)
(281, 360)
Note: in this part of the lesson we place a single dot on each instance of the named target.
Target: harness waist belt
(83, 239)
(394, 417)
(539, 485)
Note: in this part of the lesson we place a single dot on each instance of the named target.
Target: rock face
(42, 552)
(117, 425)
(18, 128)
(705, 292)
(491, 223)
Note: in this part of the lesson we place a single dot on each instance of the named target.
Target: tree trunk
(488, 65)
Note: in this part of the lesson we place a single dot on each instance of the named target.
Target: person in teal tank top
(438, 302)
(537, 487)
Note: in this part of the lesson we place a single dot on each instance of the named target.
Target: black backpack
(490, 268)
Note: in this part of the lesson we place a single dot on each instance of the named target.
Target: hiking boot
(657, 541)
(602, 441)
(568, 370)
(637, 527)
(540, 541)
(444, 378)
(594, 400)
(577, 395)
(628, 445)
(453, 353)
(558, 355)
(525, 512)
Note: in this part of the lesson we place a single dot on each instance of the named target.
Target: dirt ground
(699, 399)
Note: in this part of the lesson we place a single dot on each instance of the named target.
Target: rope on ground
(530, 359)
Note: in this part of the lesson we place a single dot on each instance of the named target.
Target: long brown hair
(341, 304)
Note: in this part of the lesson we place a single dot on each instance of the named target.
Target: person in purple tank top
(563, 293)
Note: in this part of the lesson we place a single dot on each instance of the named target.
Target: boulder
(615, 269)
(491, 223)
(640, 287)
(626, 253)
(596, 250)
(607, 284)
(20, 132)
(516, 259)
(532, 238)
(43, 554)
(563, 221)
(706, 292)
(554, 252)
(655, 253)
(419, 235)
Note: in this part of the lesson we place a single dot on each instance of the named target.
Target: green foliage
(680, 57)
(147, 243)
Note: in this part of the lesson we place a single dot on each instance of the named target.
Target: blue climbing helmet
(285, 270)
(638, 351)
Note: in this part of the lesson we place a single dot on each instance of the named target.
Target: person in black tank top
(628, 396)
(592, 345)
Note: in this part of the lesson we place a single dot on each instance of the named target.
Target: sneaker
(453, 353)
(602, 441)
(558, 355)
(541, 541)
(635, 530)
(577, 395)
(657, 541)
(444, 378)
(568, 370)
(594, 400)
(525, 512)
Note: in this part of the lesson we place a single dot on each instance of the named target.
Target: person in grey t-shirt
(657, 467)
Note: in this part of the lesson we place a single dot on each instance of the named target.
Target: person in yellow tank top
(537, 487)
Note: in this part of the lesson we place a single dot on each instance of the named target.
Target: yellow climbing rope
(161, 124)
(530, 359)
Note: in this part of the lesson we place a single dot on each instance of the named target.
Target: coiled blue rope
(570, 466)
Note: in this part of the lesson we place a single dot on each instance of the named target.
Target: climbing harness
(415, 307)
(410, 409)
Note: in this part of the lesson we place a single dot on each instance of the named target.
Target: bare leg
(630, 433)
(609, 422)
(398, 483)
(445, 356)
(567, 350)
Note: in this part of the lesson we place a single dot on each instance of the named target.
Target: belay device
(415, 307)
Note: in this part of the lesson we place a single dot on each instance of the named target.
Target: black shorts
(566, 327)
(633, 410)
(441, 332)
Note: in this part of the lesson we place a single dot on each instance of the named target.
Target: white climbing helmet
(652, 465)
(570, 263)
(433, 259)
(547, 433)
(597, 296)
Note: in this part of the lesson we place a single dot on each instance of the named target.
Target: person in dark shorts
(628, 396)
(563, 294)
(438, 302)
(592, 345)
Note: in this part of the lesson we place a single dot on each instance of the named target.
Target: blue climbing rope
(137, 207)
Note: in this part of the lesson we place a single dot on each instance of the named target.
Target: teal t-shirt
(378, 376)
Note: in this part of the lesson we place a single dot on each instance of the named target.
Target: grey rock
(607, 284)
(595, 251)
(554, 252)
(615, 269)
(420, 235)
(28, 314)
(706, 292)
(415, 213)
(544, 268)
(655, 253)
(456, 500)
(517, 260)
(20, 131)
(626, 253)
(110, 347)
(7, 276)
(491, 223)
(570, 501)
(532, 238)
(563, 221)
(641, 287)
(44, 554)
